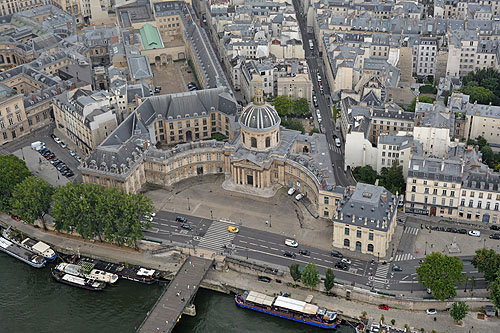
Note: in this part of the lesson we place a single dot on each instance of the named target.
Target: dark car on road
(186, 226)
(42, 151)
(264, 279)
(305, 252)
(181, 219)
(60, 166)
(495, 236)
(336, 254)
(462, 231)
(494, 227)
(289, 254)
(341, 265)
(453, 230)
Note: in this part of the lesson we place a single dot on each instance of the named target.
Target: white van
(311, 45)
(37, 145)
(337, 142)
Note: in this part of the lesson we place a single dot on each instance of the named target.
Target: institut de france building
(168, 139)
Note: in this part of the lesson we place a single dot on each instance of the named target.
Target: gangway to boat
(179, 294)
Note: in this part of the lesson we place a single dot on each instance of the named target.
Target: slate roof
(368, 206)
(139, 67)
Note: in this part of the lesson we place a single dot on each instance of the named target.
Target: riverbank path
(180, 293)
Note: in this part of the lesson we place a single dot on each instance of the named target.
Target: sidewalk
(415, 319)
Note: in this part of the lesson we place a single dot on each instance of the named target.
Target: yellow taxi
(233, 229)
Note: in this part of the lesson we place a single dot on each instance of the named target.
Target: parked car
(305, 252)
(55, 161)
(62, 144)
(383, 307)
(264, 279)
(494, 227)
(42, 150)
(431, 311)
(148, 218)
(337, 142)
(37, 145)
(336, 254)
(60, 166)
(299, 196)
(341, 265)
(180, 219)
(291, 191)
(186, 226)
(489, 310)
(289, 254)
(397, 268)
(69, 174)
(462, 231)
(50, 156)
(428, 291)
(15, 217)
(495, 236)
(72, 153)
(57, 140)
(474, 233)
(291, 242)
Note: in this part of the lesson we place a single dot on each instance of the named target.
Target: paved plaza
(281, 213)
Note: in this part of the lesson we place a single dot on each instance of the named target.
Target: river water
(32, 301)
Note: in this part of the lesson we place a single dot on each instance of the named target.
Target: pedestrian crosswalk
(380, 278)
(404, 257)
(411, 230)
(216, 236)
(336, 149)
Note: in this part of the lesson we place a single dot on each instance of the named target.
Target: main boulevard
(268, 247)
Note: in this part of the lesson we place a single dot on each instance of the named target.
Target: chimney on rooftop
(383, 196)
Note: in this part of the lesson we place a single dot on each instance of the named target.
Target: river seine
(32, 301)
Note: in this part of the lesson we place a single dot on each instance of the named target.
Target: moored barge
(39, 248)
(77, 281)
(21, 253)
(129, 272)
(288, 308)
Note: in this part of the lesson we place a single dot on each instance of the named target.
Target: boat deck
(8, 246)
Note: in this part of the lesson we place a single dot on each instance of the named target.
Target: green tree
(329, 280)
(394, 180)
(487, 261)
(283, 105)
(31, 200)
(413, 104)
(428, 89)
(365, 174)
(495, 290)
(441, 273)
(459, 310)
(314, 130)
(13, 171)
(479, 94)
(301, 108)
(335, 113)
(295, 272)
(310, 276)
(293, 124)
(426, 99)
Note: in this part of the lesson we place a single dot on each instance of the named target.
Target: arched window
(370, 247)
(347, 242)
(268, 142)
(243, 136)
(253, 142)
(358, 246)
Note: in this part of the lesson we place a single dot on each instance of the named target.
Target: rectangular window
(327, 200)
(358, 233)
(370, 236)
(346, 231)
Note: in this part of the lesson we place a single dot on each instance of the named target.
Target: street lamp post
(425, 252)
(247, 253)
(211, 215)
(269, 221)
(189, 207)
(378, 256)
(484, 243)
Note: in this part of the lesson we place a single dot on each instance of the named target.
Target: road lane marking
(242, 241)
(264, 246)
(273, 248)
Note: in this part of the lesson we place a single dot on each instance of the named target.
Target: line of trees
(310, 276)
(487, 261)
(107, 214)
